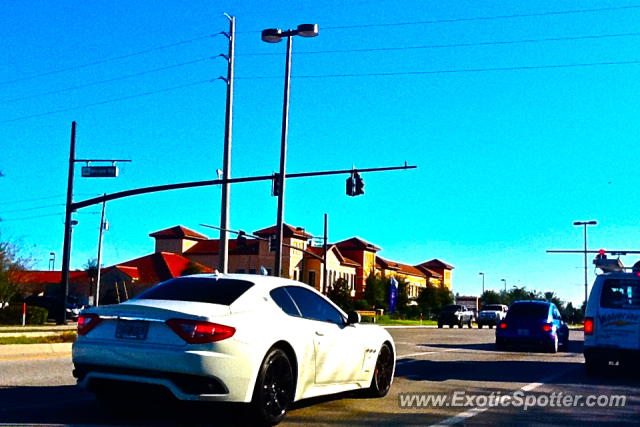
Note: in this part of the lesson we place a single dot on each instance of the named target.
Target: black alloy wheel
(383, 373)
(275, 388)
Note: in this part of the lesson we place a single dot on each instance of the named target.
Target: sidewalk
(20, 351)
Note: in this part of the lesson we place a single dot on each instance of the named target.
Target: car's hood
(161, 309)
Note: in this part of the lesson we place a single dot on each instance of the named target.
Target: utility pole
(66, 250)
(102, 228)
(325, 247)
(223, 250)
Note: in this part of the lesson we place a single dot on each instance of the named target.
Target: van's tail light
(200, 332)
(588, 325)
(502, 325)
(87, 322)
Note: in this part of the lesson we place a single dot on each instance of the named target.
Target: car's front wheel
(275, 388)
(383, 373)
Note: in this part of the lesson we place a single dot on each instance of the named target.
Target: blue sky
(521, 118)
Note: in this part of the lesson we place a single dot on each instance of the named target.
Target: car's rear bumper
(187, 374)
(487, 321)
(612, 353)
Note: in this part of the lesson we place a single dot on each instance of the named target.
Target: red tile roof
(356, 243)
(399, 267)
(317, 250)
(160, 266)
(178, 232)
(436, 263)
(287, 230)
(46, 277)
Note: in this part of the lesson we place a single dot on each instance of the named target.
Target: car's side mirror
(353, 317)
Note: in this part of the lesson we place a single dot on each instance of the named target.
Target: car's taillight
(200, 332)
(588, 325)
(547, 327)
(502, 325)
(87, 322)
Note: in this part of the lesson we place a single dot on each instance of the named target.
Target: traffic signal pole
(66, 248)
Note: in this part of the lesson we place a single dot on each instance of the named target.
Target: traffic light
(359, 184)
(602, 254)
(350, 186)
(355, 185)
(242, 239)
(275, 185)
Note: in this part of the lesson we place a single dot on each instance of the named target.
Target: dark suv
(455, 314)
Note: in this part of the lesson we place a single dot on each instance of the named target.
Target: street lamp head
(481, 273)
(307, 30)
(585, 222)
(272, 35)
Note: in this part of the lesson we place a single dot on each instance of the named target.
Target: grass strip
(50, 339)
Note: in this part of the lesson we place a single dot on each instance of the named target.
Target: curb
(22, 350)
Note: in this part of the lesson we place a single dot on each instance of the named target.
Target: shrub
(12, 315)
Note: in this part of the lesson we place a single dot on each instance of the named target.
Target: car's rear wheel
(383, 373)
(490, 326)
(275, 388)
(459, 323)
(469, 323)
(479, 325)
(439, 325)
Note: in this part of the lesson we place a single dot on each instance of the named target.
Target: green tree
(490, 297)
(340, 294)
(552, 297)
(12, 266)
(433, 298)
(376, 291)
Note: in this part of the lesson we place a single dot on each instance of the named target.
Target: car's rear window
(528, 310)
(620, 293)
(198, 289)
(451, 308)
(492, 307)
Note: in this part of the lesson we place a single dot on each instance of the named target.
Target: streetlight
(585, 224)
(274, 35)
(52, 261)
(482, 274)
(505, 284)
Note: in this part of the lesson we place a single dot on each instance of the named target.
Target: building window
(240, 271)
(252, 271)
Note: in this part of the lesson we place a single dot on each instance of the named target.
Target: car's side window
(556, 314)
(314, 307)
(284, 301)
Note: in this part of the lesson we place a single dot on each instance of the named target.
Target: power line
(36, 199)
(102, 61)
(111, 80)
(108, 101)
(460, 70)
(487, 18)
(33, 208)
(452, 45)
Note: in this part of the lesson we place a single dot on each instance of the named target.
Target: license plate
(523, 332)
(132, 329)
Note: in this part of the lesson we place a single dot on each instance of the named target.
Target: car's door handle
(320, 334)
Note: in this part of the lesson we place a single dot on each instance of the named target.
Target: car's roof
(267, 282)
(533, 302)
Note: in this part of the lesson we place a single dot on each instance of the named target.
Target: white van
(612, 320)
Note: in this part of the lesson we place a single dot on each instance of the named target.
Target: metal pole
(223, 252)
(97, 299)
(585, 264)
(277, 271)
(66, 250)
(324, 260)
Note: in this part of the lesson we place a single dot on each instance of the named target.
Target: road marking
(398, 359)
(464, 416)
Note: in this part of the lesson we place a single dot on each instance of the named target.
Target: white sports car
(236, 338)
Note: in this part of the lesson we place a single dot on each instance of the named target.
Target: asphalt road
(459, 364)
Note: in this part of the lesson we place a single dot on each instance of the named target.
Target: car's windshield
(528, 310)
(198, 289)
